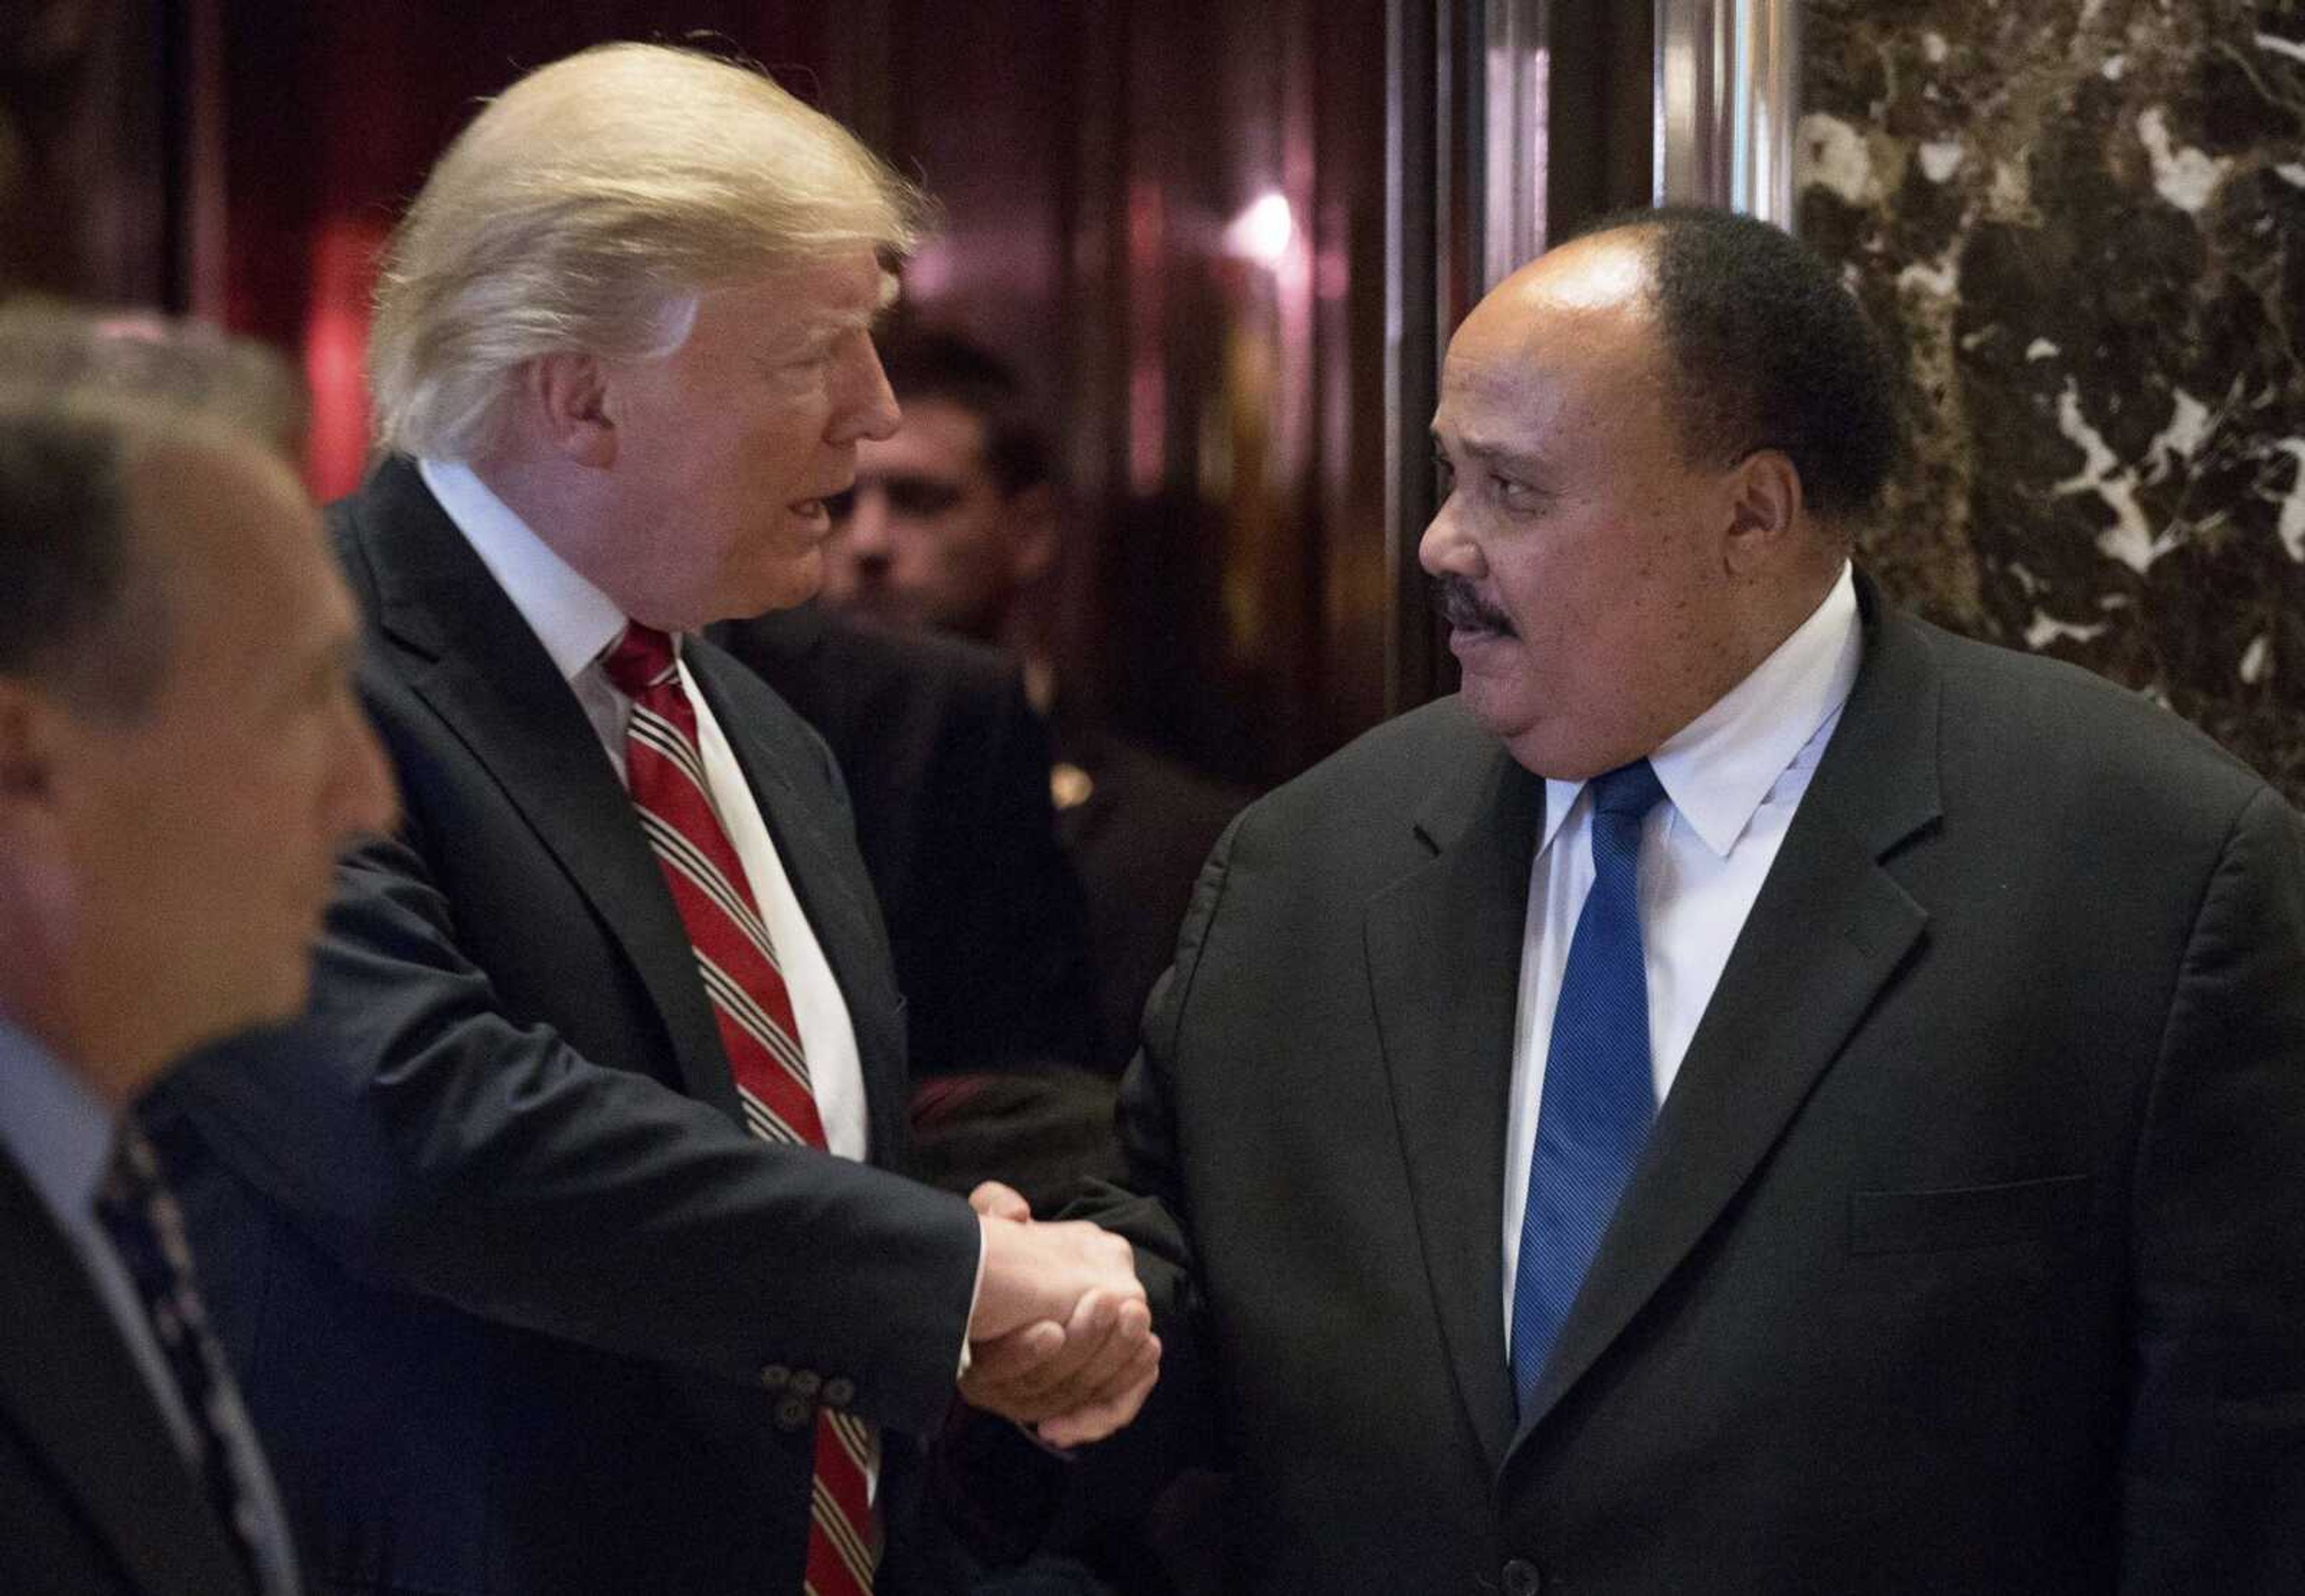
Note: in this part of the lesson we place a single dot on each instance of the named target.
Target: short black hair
(85, 607)
(64, 534)
(1769, 350)
(928, 362)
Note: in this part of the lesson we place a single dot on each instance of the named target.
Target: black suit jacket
(520, 1308)
(947, 766)
(1963, 1257)
(95, 1499)
(1137, 838)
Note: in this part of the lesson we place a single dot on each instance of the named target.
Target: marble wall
(2082, 222)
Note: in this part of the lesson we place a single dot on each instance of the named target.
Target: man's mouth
(1465, 610)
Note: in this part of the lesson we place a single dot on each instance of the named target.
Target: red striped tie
(755, 1014)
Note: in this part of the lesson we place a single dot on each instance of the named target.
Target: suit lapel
(481, 669)
(1830, 928)
(1443, 943)
(842, 923)
(69, 1385)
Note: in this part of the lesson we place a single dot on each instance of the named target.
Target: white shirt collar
(1718, 768)
(572, 619)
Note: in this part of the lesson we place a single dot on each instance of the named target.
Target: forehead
(237, 543)
(1525, 367)
(799, 303)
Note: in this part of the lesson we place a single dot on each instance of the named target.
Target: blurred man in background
(956, 524)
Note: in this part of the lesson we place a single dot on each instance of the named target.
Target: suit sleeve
(1180, 1426)
(433, 1145)
(2213, 1477)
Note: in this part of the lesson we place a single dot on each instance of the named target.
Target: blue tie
(1599, 1097)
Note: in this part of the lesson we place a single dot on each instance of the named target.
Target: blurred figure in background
(946, 767)
(956, 524)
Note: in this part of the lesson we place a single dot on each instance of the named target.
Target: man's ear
(1035, 520)
(570, 395)
(1765, 510)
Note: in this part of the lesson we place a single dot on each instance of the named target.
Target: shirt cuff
(975, 1291)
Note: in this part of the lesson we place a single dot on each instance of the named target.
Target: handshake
(1061, 1340)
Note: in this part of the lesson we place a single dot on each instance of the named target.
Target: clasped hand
(1062, 1338)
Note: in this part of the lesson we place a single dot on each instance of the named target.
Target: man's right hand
(1062, 1337)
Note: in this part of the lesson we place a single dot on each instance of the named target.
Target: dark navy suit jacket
(519, 1305)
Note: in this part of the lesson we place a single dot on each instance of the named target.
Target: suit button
(776, 1377)
(839, 1391)
(805, 1384)
(1522, 1579)
(794, 1412)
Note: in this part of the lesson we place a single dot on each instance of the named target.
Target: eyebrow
(1494, 453)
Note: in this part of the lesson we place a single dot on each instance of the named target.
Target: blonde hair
(586, 207)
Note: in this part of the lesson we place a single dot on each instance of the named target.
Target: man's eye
(920, 496)
(1515, 495)
(841, 505)
(1444, 473)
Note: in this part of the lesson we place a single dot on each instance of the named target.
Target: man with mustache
(1756, 1094)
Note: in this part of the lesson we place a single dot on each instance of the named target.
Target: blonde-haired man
(572, 1270)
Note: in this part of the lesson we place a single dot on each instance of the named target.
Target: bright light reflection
(1263, 231)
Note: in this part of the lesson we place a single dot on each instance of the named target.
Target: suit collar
(1830, 924)
(472, 657)
(845, 926)
(68, 1384)
(1441, 943)
(570, 615)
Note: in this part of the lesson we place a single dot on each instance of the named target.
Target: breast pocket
(1952, 1218)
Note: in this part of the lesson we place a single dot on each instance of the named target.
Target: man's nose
(1444, 550)
(866, 528)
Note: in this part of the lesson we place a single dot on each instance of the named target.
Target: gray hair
(585, 208)
(58, 348)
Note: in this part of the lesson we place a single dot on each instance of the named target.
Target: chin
(1496, 705)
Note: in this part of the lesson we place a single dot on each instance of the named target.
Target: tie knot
(1629, 791)
(133, 1178)
(641, 660)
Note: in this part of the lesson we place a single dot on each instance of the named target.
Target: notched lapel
(1831, 927)
(69, 1384)
(1443, 946)
(467, 651)
(842, 923)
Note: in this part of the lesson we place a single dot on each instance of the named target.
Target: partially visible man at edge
(565, 1258)
(1961, 1254)
(180, 760)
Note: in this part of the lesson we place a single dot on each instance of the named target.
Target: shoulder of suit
(2043, 708)
(1391, 771)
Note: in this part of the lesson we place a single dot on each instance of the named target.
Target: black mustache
(1458, 605)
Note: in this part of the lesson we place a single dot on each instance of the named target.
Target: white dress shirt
(578, 624)
(1732, 778)
(60, 1134)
